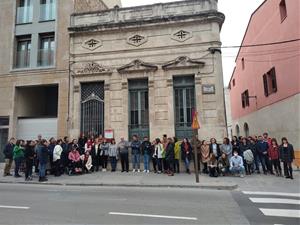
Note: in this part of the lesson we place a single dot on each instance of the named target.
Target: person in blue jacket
(136, 153)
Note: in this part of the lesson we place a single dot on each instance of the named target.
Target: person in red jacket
(274, 155)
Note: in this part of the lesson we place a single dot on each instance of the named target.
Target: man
(237, 164)
(170, 156)
(136, 153)
(262, 151)
(146, 151)
(8, 154)
(123, 152)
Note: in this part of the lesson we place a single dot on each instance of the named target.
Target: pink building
(265, 85)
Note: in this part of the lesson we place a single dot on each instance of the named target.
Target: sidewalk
(118, 179)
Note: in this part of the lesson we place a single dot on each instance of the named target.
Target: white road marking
(13, 207)
(153, 216)
(291, 213)
(275, 200)
(272, 193)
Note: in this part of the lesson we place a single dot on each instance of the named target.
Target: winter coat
(287, 153)
(104, 149)
(170, 154)
(243, 148)
(146, 148)
(29, 153)
(158, 151)
(205, 153)
(42, 154)
(218, 150)
(186, 153)
(177, 149)
(18, 152)
(113, 150)
(273, 152)
(135, 147)
(74, 156)
(227, 149)
(262, 147)
(57, 153)
(8, 151)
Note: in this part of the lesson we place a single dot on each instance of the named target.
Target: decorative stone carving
(93, 68)
(137, 65)
(92, 44)
(137, 40)
(181, 35)
(182, 62)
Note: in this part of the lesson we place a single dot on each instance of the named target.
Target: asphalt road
(35, 204)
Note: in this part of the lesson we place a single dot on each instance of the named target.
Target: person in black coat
(186, 153)
(170, 156)
(29, 157)
(8, 155)
(287, 156)
(95, 153)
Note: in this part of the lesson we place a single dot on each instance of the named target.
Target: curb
(211, 187)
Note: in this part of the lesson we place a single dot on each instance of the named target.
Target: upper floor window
(245, 99)
(283, 11)
(23, 47)
(24, 11)
(270, 83)
(47, 11)
(46, 50)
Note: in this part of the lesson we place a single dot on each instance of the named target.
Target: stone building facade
(143, 70)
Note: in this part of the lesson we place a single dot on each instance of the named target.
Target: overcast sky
(237, 14)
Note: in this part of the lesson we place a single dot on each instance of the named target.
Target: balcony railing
(22, 59)
(45, 57)
(24, 14)
(47, 12)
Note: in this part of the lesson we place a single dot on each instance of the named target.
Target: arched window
(246, 129)
(237, 130)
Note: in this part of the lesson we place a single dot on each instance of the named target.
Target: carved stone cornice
(182, 62)
(92, 68)
(137, 65)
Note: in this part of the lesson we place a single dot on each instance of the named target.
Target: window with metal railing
(22, 55)
(47, 10)
(46, 50)
(24, 12)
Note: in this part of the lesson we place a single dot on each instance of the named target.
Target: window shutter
(274, 82)
(265, 79)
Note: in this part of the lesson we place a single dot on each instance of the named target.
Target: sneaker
(148, 171)
(103, 170)
(242, 176)
(133, 170)
(144, 171)
(139, 170)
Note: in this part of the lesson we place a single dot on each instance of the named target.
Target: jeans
(240, 170)
(159, 165)
(29, 165)
(154, 162)
(18, 162)
(146, 161)
(262, 159)
(136, 161)
(42, 169)
(113, 162)
(7, 167)
(187, 163)
(104, 159)
(124, 162)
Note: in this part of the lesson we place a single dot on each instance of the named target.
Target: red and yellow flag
(195, 124)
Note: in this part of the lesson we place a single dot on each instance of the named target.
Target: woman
(43, 156)
(212, 166)
(56, 157)
(235, 144)
(273, 153)
(246, 154)
(104, 154)
(287, 156)
(223, 164)
(86, 161)
(205, 155)
(170, 155)
(29, 156)
(75, 159)
(18, 156)
(186, 151)
(158, 152)
(226, 148)
(214, 148)
(177, 155)
(95, 153)
(113, 154)
(50, 165)
(88, 145)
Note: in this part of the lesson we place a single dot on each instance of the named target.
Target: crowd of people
(241, 156)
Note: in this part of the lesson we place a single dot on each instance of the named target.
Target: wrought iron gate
(92, 108)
